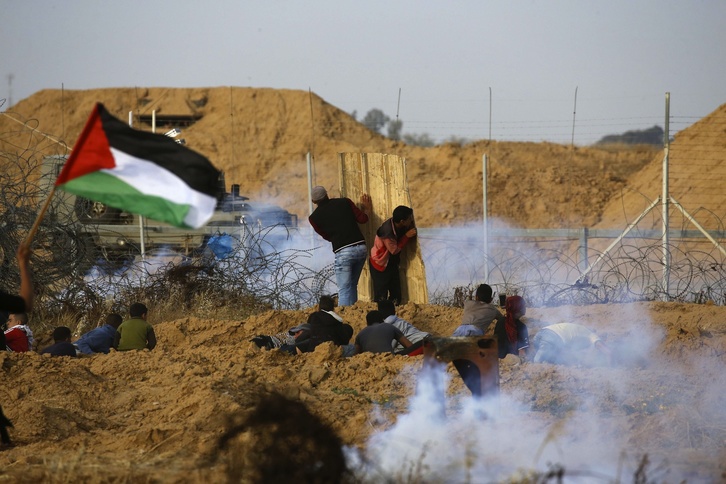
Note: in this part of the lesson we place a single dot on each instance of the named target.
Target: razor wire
(632, 271)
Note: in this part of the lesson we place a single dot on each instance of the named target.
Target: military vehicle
(119, 236)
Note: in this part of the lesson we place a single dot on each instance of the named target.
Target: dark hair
(374, 317)
(137, 309)
(386, 308)
(21, 318)
(401, 212)
(61, 333)
(114, 320)
(484, 293)
(326, 303)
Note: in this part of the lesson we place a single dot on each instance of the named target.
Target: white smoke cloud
(594, 422)
(487, 440)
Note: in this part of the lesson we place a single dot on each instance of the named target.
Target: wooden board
(383, 177)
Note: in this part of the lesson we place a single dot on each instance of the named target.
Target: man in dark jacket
(322, 325)
(328, 325)
(336, 220)
(62, 345)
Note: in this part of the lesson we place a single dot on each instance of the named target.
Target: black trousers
(387, 284)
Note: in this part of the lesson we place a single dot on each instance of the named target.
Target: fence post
(485, 218)
(665, 200)
(583, 248)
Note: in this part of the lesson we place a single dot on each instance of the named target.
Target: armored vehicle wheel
(89, 211)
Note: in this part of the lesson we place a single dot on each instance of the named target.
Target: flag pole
(29, 239)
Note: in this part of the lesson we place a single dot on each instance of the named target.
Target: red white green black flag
(140, 172)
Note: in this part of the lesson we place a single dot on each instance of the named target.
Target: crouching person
(101, 339)
(19, 336)
(62, 345)
(321, 326)
(413, 334)
(135, 333)
(377, 336)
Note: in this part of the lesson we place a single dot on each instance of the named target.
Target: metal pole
(574, 111)
(142, 247)
(309, 159)
(616, 241)
(698, 226)
(665, 201)
(485, 234)
(490, 114)
(398, 106)
(583, 248)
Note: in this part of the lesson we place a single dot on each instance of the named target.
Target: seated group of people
(385, 333)
(133, 334)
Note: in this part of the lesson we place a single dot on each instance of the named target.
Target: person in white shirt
(563, 343)
(388, 309)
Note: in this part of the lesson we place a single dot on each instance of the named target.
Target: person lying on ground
(19, 336)
(567, 343)
(479, 313)
(135, 333)
(512, 335)
(377, 336)
(414, 335)
(321, 326)
(100, 340)
(62, 345)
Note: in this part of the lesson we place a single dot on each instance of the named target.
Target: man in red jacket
(391, 237)
(19, 336)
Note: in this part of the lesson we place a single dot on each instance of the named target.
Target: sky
(555, 70)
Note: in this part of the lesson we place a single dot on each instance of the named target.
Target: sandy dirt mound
(260, 138)
(697, 167)
(159, 415)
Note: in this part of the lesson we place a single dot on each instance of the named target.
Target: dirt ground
(157, 416)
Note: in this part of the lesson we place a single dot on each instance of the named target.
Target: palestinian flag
(140, 172)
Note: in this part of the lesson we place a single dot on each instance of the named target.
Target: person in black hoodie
(321, 326)
(62, 345)
(336, 220)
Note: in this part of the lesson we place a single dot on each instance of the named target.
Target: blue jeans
(349, 264)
